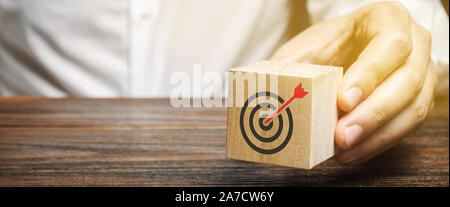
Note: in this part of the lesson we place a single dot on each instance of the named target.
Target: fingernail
(353, 96)
(352, 134)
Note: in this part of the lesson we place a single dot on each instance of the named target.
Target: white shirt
(130, 48)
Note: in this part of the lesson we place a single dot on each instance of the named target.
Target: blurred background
(131, 48)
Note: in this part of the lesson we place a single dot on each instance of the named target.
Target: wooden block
(301, 134)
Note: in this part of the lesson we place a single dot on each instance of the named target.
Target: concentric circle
(254, 135)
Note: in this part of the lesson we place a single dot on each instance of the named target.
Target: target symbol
(258, 128)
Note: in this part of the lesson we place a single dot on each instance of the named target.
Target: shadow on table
(392, 168)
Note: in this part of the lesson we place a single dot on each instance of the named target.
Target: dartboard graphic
(259, 129)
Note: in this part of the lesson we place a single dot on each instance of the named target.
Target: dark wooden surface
(125, 142)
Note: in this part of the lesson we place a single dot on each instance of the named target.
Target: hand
(389, 83)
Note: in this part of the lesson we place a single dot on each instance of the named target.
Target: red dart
(298, 93)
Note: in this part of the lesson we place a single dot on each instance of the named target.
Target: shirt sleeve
(428, 13)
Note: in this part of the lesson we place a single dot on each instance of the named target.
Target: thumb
(324, 43)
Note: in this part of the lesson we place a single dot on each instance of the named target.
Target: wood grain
(128, 142)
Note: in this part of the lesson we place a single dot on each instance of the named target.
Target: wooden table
(128, 142)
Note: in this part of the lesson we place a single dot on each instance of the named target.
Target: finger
(390, 134)
(388, 99)
(389, 32)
